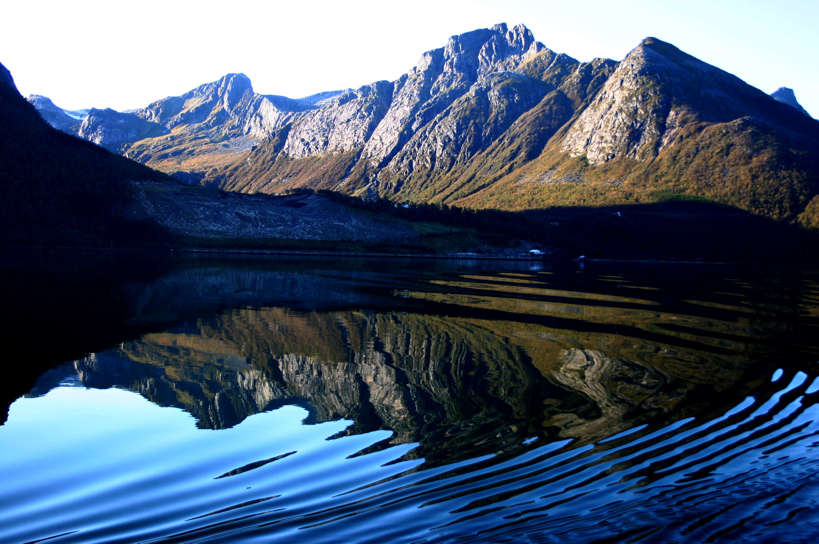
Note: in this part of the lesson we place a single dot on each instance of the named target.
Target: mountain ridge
(59, 190)
(495, 119)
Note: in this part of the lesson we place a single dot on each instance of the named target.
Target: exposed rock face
(114, 130)
(627, 117)
(435, 119)
(787, 96)
(495, 119)
(442, 76)
(228, 103)
(344, 125)
(656, 93)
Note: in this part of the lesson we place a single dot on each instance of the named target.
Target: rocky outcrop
(442, 76)
(114, 130)
(787, 96)
(345, 124)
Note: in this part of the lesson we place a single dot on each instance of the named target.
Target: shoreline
(360, 254)
(456, 256)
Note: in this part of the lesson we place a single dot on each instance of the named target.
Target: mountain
(399, 138)
(786, 96)
(205, 127)
(495, 119)
(57, 189)
(63, 120)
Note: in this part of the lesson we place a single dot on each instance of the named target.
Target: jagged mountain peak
(787, 96)
(485, 50)
(235, 78)
(233, 86)
(232, 80)
(227, 90)
(655, 54)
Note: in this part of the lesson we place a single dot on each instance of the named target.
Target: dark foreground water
(407, 402)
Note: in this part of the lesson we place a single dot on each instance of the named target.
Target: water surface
(406, 402)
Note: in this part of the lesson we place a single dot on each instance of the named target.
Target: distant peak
(516, 40)
(659, 46)
(236, 77)
(651, 40)
(39, 99)
(235, 81)
(787, 96)
(656, 53)
(232, 87)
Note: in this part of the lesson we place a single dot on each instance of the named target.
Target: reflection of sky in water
(97, 465)
(94, 456)
(647, 415)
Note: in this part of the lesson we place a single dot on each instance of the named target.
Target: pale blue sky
(107, 53)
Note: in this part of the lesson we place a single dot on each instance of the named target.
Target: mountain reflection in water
(438, 405)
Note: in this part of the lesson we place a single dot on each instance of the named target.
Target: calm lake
(287, 400)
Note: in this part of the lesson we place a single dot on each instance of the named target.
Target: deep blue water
(455, 406)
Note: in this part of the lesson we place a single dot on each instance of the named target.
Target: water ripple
(682, 481)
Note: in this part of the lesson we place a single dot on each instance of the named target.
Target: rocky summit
(495, 119)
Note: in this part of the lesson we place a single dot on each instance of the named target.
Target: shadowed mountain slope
(61, 190)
